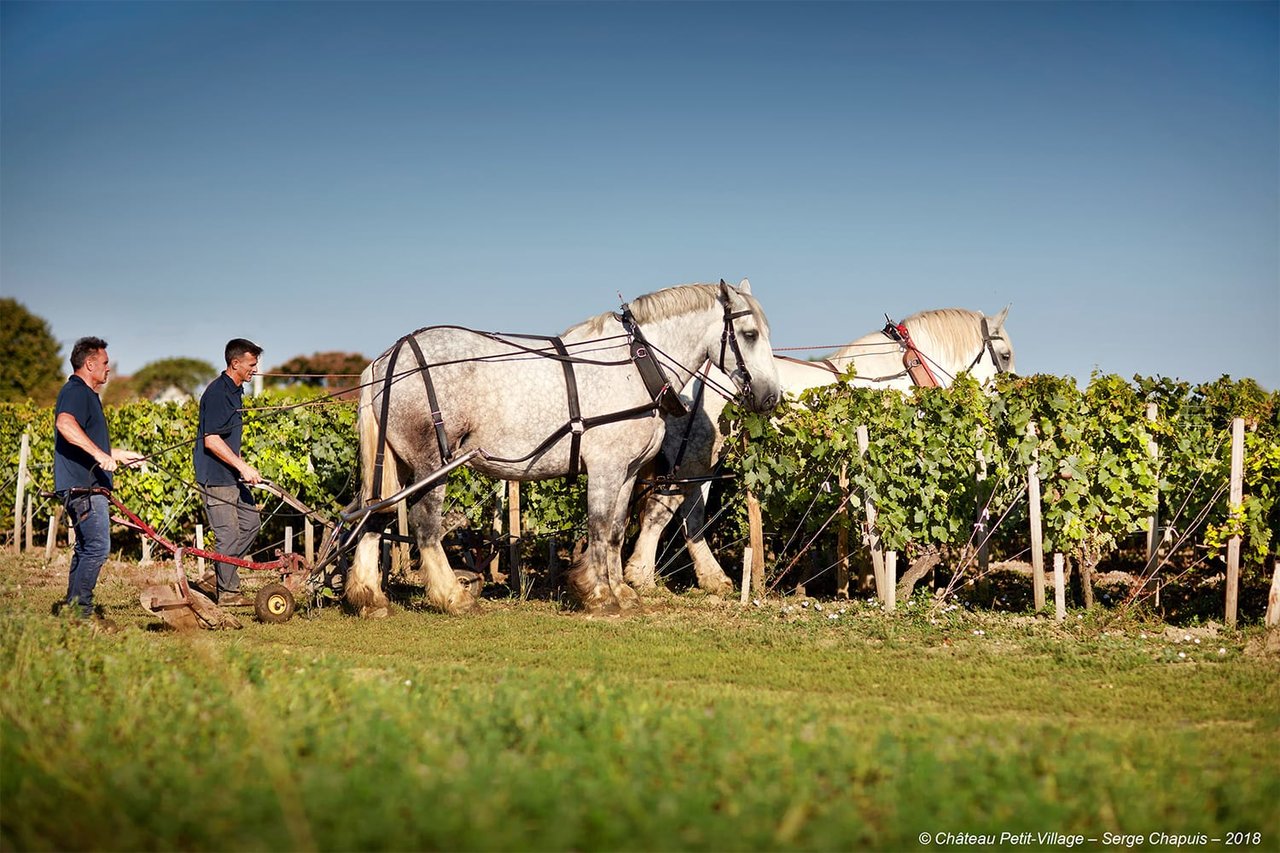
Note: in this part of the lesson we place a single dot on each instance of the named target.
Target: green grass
(695, 726)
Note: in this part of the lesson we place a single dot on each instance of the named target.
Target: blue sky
(321, 176)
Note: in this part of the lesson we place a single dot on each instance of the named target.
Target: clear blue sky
(322, 176)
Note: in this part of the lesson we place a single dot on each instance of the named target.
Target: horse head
(744, 352)
(996, 355)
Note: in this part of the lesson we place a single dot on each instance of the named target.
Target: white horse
(531, 408)
(938, 345)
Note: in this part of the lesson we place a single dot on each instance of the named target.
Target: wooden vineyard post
(890, 596)
(983, 519)
(401, 559)
(1037, 533)
(24, 453)
(495, 566)
(146, 551)
(516, 576)
(200, 545)
(1153, 522)
(1272, 619)
(51, 541)
(309, 541)
(1059, 588)
(746, 575)
(30, 523)
(842, 538)
(1233, 506)
(288, 540)
(872, 536)
(755, 542)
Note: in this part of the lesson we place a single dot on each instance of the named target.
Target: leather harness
(663, 396)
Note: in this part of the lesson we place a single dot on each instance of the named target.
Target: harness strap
(576, 425)
(651, 373)
(382, 419)
(826, 363)
(437, 419)
(641, 411)
(916, 364)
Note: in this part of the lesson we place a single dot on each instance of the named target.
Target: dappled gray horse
(930, 348)
(534, 408)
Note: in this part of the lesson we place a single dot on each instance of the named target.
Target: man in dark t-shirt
(223, 475)
(84, 459)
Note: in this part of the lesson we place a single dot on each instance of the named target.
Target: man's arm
(69, 428)
(219, 448)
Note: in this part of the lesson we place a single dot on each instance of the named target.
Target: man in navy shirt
(223, 475)
(83, 459)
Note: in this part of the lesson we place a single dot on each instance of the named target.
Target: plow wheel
(274, 603)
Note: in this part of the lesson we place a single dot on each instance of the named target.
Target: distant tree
(331, 370)
(187, 374)
(30, 367)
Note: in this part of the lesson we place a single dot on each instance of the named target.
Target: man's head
(90, 362)
(242, 359)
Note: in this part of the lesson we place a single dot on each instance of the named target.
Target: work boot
(234, 599)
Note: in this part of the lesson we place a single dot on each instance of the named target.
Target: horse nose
(769, 403)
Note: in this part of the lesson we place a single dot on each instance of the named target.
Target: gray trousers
(234, 519)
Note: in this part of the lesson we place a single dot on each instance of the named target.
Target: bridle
(730, 340)
(659, 386)
(916, 363)
(988, 347)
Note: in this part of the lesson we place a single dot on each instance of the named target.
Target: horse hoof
(604, 608)
(640, 579)
(627, 598)
(375, 612)
(724, 588)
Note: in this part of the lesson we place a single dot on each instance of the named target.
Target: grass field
(697, 725)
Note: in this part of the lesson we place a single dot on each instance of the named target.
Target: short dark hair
(237, 347)
(84, 348)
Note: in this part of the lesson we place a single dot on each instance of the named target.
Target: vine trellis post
(755, 543)
(23, 454)
(1234, 507)
(516, 575)
(872, 535)
(1153, 523)
(1037, 531)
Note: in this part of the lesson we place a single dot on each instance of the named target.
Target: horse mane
(953, 335)
(666, 303)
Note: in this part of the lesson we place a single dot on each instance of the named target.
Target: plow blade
(184, 608)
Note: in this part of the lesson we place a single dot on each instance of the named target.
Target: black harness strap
(382, 419)
(651, 373)
(576, 425)
(437, 419)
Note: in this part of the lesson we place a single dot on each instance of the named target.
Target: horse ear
(724, 292)
(744, 286)
(997, 322)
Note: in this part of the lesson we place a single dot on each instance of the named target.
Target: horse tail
(370, 429)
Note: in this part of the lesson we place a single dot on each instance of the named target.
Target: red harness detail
(916, 364)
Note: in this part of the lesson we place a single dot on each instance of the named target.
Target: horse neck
(685, 339)
(801, 376)
(874, 357)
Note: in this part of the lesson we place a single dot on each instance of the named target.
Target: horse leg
(364, 580)
(711, 578)
(655, 514)
(616, 532)
(596, 577)
(443, 590)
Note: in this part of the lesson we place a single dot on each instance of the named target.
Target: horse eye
(751, 335)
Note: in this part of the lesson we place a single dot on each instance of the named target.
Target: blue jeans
(91, 516)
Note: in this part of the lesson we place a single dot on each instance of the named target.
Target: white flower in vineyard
(1182, 654)
(804, 603)
(832, 616)
(818, 607)
(1222, 652)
